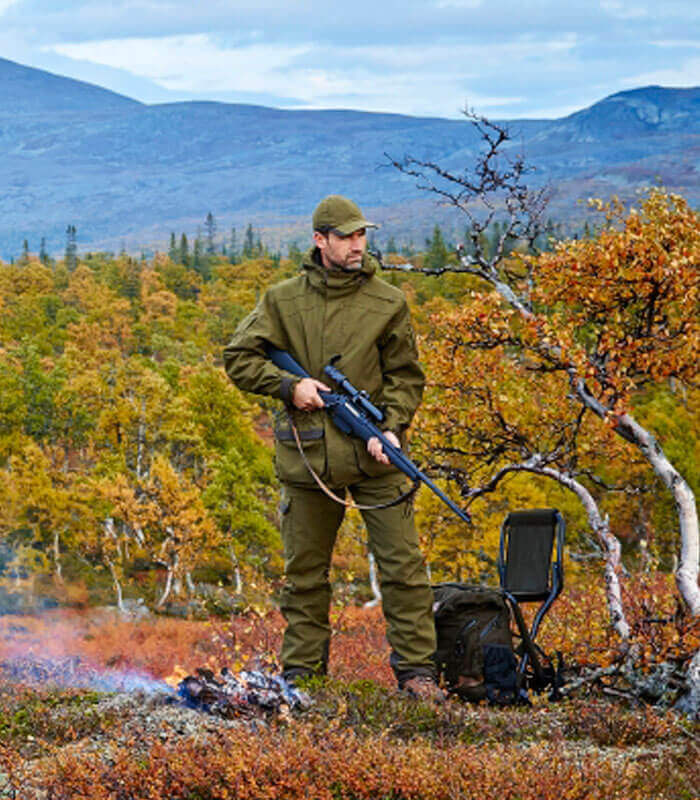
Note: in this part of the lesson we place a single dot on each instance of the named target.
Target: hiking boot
(423, 687)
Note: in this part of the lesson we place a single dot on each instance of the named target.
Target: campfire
(246, 694)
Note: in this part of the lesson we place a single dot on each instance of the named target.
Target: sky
(503, 58)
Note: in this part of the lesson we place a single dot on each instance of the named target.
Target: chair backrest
(525, 562)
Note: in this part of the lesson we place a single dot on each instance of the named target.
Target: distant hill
(127, 173)
(25, 90)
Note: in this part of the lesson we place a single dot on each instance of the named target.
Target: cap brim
(355, 225)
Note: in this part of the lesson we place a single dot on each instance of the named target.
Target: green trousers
(310, 522)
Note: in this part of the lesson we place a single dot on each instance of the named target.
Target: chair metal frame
(555, 584)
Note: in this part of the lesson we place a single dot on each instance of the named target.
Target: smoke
(63, 649)
(73, 672)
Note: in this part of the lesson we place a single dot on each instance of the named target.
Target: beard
(350, 264)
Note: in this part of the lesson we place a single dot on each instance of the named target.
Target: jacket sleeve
(403, 378)
(245, 359)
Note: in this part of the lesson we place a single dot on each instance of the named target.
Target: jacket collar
(336, 283)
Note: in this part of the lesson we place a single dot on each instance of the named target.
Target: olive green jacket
(315, 316)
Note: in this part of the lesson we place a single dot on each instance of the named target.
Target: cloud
(678, 44)
(5, 4)
(390, 21)
(505, 57)
(436, 79)
(687, 73)
(621, 10)
(191, 63)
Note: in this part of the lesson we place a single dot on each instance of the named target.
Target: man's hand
(374, 447)
(306, 394)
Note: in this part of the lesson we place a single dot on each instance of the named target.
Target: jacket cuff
(287, 385)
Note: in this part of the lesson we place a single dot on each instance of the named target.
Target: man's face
(341, 252)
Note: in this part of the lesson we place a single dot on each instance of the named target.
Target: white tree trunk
(611, 545)
(168, 585)
(689, 562)
(169, 559)
(111, 533)
(238, 578)
(117, 585)
(374, 583)
(57, 557)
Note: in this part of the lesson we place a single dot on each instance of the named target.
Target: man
(338, 306)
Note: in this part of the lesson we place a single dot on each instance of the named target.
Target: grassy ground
(360, 739)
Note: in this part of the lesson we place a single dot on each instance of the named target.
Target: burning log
(244, 694)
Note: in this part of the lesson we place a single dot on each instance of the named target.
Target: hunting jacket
(315, 316)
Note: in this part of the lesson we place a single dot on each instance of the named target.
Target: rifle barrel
(399, 459)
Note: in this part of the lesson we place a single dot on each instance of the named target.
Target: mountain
(127, 173)
(639, 112)
(29, 91)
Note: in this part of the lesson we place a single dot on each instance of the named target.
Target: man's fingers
(374, 448)
(316, 401)
(306, 394)
(393, 438)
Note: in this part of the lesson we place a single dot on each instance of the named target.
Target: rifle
(354, 414)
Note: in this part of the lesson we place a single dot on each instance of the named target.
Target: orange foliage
(631, 295)
(300, 763)
(577, 625)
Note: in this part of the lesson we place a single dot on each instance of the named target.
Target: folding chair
(528, 574)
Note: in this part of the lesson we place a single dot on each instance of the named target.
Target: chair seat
(529, 597)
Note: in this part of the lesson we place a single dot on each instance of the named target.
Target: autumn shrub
(361, 740)
(334, 764)
(105, 639)
(578, 624)
(606, 724)
(12, 771)
(359, 649)
(663, 629)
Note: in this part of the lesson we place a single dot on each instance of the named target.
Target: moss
(56, 716)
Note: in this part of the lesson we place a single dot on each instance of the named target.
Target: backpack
(475, 655)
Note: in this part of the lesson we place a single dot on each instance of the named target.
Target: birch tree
(610, 314)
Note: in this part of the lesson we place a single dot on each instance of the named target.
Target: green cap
(339, 214)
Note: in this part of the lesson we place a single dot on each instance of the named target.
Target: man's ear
(320, 240)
